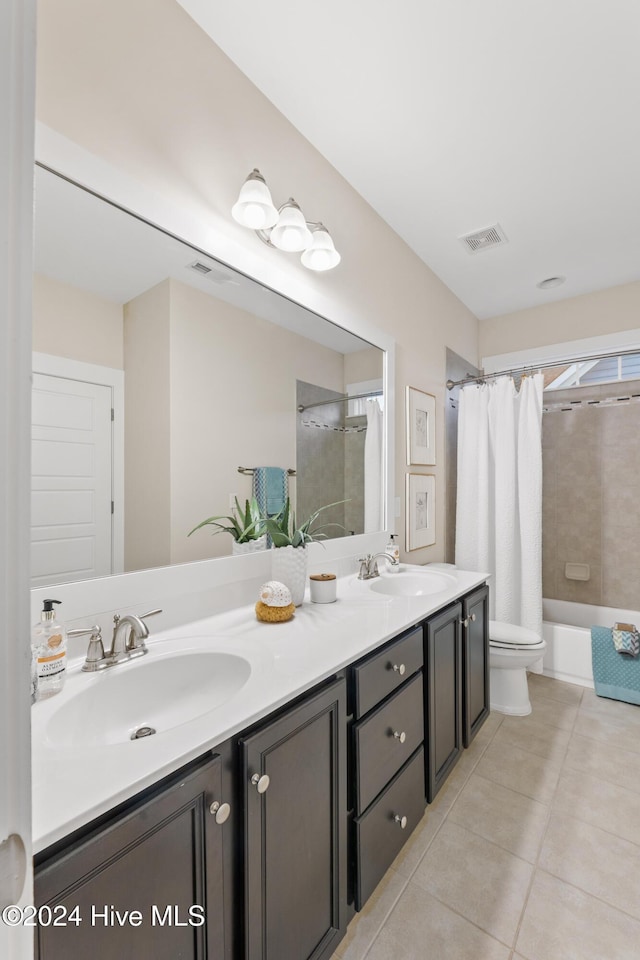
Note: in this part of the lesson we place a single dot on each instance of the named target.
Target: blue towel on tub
(615, 677)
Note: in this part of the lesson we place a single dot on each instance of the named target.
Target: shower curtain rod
(353, 396)
(540, 366)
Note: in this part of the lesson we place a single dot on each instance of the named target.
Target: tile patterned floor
(531, 850)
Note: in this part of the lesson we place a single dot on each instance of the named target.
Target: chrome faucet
(125, 646)
(122, 649)
(369, 565)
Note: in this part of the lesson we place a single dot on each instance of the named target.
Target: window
(607, 370)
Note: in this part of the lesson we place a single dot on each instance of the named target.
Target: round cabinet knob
(401, 820)
(400, 735)
(220, 811)
(472, 617)
(400, 668)
(261, 783)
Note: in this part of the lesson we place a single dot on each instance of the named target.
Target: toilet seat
(510, 635)
(540, 645)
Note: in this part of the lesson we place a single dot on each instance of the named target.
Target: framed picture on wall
(421, 427)
(420, 511)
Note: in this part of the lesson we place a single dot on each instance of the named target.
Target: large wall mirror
(211, 377)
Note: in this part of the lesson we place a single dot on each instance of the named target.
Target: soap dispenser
(393, 550)
(49, 649)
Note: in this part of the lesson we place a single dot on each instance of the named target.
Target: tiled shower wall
(591, 495)
(330, 462)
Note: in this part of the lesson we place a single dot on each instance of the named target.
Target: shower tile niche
(591, 494)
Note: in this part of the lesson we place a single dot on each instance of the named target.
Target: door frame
(113, 378)
(17, 112)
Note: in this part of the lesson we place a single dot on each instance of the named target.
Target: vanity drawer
(379, 753)
(379, 837)
(384, 671)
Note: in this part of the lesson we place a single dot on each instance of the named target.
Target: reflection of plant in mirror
(243, 525)
(285, 532)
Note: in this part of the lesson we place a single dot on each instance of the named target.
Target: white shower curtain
(499, 502)
(373, 486)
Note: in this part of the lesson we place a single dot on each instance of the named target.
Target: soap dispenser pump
(49, 650)
(393, 550)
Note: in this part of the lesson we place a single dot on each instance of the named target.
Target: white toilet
(511, 650)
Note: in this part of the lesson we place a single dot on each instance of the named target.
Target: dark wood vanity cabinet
(443, 695)
(152, 881)
(475, 662)
(387, 770)
(457, 700)
(294, 776)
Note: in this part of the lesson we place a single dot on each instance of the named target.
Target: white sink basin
(413, 584)
(159, 692)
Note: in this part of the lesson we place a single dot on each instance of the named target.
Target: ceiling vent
(216, 276)
(200, 268)
(483, 239)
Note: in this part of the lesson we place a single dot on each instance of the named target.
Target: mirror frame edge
(67, 159)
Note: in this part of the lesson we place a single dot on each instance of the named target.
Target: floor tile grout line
(518, 856)
(536, 865)
(473, 923)
(527, 796)
(597, 826)
(594, 896)
(570, 765)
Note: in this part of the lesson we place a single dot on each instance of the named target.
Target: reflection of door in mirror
(210, 361)
(71, 469)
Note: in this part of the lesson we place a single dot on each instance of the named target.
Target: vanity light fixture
(285, 228)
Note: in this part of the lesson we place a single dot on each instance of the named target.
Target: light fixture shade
(254, 208)
(321, 254)
(291, 232)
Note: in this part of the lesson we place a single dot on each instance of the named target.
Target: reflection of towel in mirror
(270, 488)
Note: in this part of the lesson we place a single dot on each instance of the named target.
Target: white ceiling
(451, 115)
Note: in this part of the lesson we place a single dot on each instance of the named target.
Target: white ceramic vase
(251, 546)
(289, 566)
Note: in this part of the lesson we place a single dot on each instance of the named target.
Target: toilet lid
(512, 635)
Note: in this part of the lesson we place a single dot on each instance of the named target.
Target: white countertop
(75, 783)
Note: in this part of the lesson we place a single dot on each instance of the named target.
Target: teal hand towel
(270, 488)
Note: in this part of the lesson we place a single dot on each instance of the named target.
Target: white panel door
(71, 474)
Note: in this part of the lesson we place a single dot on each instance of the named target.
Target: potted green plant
(246, 526)
(289, 539)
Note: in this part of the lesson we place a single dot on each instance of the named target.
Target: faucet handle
(95, 632)
(95, 659)
(152, 613)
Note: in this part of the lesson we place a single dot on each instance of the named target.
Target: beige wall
(142, 87)
(590, 315)
(147, 447)
(233, 403)
(362, 365)
(68, 322)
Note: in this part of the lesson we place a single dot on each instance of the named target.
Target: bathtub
(567, 631)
